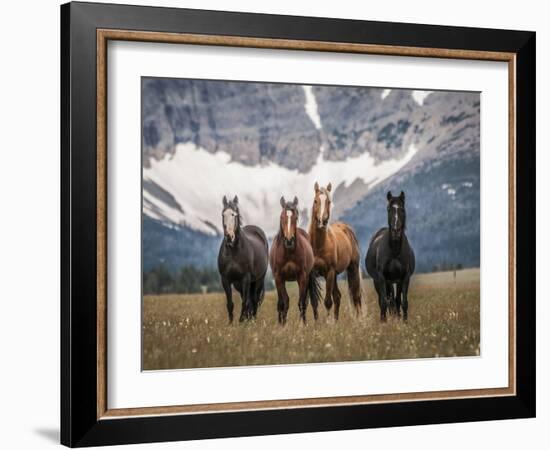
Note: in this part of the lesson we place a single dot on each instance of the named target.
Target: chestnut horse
(291, 259)
(336, 250)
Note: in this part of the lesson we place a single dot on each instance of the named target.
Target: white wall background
(29, 228)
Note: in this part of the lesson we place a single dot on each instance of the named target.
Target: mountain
(254, 123)
(205, 139)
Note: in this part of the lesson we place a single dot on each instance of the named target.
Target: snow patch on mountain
(385, 93)
(311, 107)
(420, 96)
(198, 180)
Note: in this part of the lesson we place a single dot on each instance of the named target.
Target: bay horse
(390, 260)
(336, 250)
(291, 259)
(242, 261)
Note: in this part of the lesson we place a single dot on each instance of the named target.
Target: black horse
(242, 261)
(390, 260)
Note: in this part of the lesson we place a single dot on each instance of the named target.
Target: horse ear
(389, 196)
(329, 187)
(295, 201)
(283, 201)
(224, 200)
(236, 200)
(402, 196)
(316, 187)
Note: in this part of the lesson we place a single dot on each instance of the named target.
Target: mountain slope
(205, 139)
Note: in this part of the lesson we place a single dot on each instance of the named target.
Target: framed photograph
(276, 224)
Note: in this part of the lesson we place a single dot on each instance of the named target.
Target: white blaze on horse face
(288, 221)
(395, 209)
(323, 201)
(229, 222)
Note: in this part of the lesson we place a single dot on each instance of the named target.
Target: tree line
(187, 280)
(191, 280)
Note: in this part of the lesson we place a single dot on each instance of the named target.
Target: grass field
(186, 331)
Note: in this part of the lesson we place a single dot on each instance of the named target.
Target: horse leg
(331, 275)
(229, 297)
(251, 309)
(282, 303)
(302, 299)
(336, 295)
(398, 299)
(390, 299)
(258, 293)
(239, 287)
(405, 299)
(246, 288)
(381, 289)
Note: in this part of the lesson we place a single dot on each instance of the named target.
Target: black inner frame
(79, 423)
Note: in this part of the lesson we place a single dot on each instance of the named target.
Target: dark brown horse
(242, 261)
(291, 259)
(336, 250)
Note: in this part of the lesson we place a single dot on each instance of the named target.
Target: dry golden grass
(186, 331)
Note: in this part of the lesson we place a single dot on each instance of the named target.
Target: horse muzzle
(396, 232)
(322, 223)
(289, 243)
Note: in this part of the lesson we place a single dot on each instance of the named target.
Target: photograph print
(293, 224)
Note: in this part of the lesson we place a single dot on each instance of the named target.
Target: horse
(390, 260)
(242, 261)
(336, 250)
(291, 259)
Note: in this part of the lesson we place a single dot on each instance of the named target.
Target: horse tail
(314, 291)
(354, 285)
(354, 271)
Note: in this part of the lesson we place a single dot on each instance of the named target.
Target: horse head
(396, 214)
(322, 204)
(231, 220)
(289, 222)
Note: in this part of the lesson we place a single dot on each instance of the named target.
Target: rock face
(357, 119)
(264, 124)
(254, 122)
